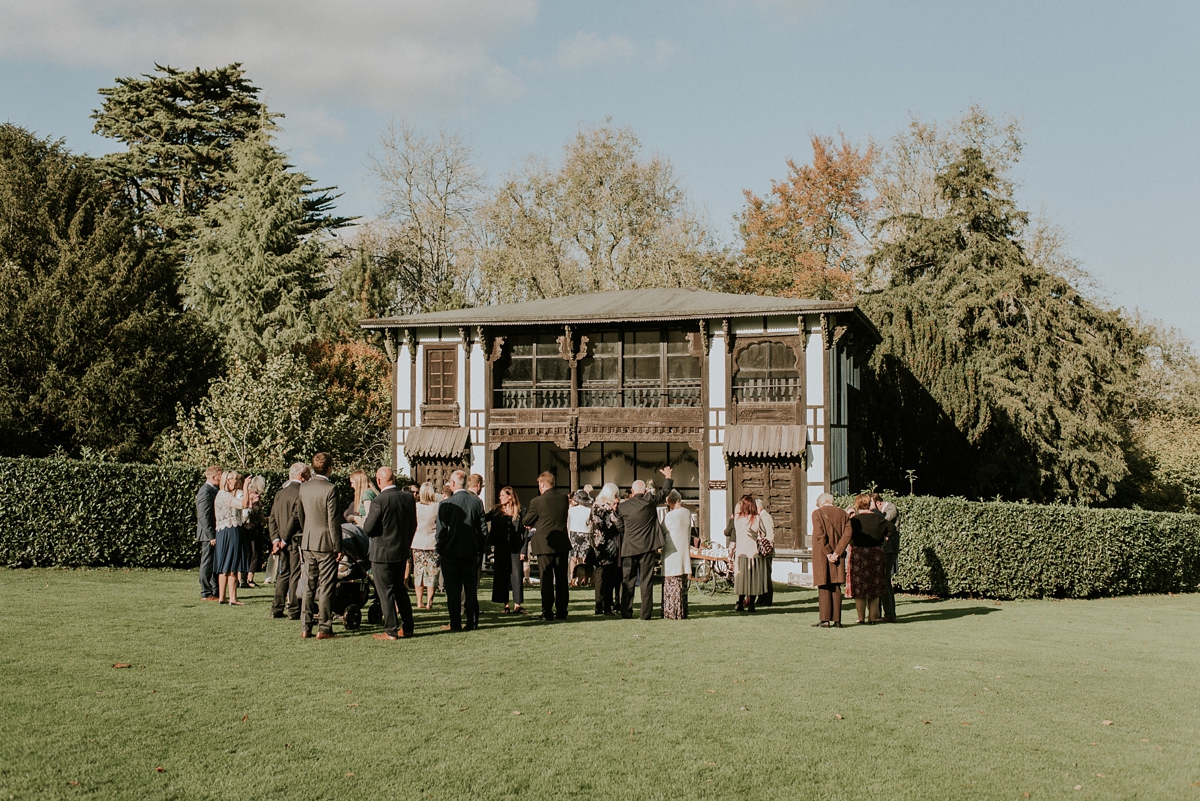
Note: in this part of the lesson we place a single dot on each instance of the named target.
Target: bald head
(384, 477)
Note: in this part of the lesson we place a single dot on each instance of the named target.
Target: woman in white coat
(676, 562)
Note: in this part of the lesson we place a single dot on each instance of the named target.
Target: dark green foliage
(180, 127)
(995, 376)
(95, 349)
(950, 546)
(258, 260)
(67, 513)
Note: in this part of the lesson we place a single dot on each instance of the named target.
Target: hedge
(67, 513)
(951, 546)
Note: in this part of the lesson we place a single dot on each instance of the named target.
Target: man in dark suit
(391, 524)
(285, 543)
(641, 540)
(206, 531)
(320, 524)
(461, 533)
(547, 516)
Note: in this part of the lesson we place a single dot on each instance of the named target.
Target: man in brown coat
(320, 525)
(830, 535)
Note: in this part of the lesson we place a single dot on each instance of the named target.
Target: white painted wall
(404, 414)
(814, 356)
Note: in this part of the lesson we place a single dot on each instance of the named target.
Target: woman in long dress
(865, 573)
(606, 548)
(510, 549)
(676, 558)
(751, 571)
(230, 557)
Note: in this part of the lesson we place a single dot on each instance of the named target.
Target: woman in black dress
(506, 535)
(606, 545)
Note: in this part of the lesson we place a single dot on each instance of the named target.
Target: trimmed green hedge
(67, 513)
(951, 546)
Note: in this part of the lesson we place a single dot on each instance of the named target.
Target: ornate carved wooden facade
(608, 386)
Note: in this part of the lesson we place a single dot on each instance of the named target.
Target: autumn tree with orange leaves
(809, 237)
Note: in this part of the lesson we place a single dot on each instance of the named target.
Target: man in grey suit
(285, 543)
(206, 531)
(547, 516)
(391, 524)
(461, 533)
(321, 543)
(641, 540)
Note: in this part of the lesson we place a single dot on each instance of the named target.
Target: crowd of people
(428, 537)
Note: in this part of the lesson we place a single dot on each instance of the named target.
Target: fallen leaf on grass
(158, 770)
(710, 691)
(965, 723)
(1079, 787)
(1106, 723)
(516, 713)
(1101, 776)
(1025, 795)
(349, 775)
(1144, 740)
(462, 709)
(743, 709)
(838, 717)
(72, 784)
(710, 763)
(245, 718)
(119, 665)
(927, 721)
(351, 706)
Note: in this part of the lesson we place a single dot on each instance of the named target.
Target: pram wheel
(375, 614)
(352, 617)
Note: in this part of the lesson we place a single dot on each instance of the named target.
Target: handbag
(765, 546)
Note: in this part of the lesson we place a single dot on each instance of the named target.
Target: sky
(1107, 93)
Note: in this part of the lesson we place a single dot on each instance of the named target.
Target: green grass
(231, 704)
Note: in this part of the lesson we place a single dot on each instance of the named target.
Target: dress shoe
(890, 619)
(327, 635)
(384, 636)
(305, 634)
(277, 615)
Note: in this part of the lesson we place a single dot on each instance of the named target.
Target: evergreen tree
(95, 349)
(995, 377)
(258, 261)
(180, 128)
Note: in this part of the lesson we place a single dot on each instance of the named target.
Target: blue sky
(727, 89)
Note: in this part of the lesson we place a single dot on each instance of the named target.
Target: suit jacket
(318, 516)
(282, 520)
(891, 541)
(206, 513)
(461, 531)
(391, 524)
(831, 532)
(547, 515)
(637, 520)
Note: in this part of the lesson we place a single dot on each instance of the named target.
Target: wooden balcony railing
(766, 390)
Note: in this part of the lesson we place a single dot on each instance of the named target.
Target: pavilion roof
(625, 305)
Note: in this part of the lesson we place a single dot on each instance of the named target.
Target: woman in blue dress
(230, 557)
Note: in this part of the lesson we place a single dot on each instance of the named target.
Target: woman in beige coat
(831, 532)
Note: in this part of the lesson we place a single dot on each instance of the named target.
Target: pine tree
(258, 261)
(995, 376)
(180, 128)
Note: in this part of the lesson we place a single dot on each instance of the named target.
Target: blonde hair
(360, 482)
(609, 494)
(513, 509)
(258, 484)
(227, 476)
(428, 495)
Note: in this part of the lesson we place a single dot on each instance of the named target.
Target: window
(533, 374)
(441, 375)
(767, 373)
(639, 368)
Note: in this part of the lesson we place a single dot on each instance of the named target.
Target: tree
(266, 415)
(605, 219)
(810, 238)
(95, 348)
(258, 261)
(431, 189)
(180, 128)
(1030, 380)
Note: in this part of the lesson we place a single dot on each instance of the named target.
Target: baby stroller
(354, 585)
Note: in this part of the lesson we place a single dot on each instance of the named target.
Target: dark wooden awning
(436, 442)
(770, 441)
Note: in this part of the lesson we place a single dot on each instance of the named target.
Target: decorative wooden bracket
(410, 342)
(727, 330)
(698, 341)
(826, 330)
(389, 345)
(497, 349)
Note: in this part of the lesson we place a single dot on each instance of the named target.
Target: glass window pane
(641, 343)
(603, 343)
(651, 456)
(687, 469)
(642, 369)
(553, 369)
(589, 466)
(618, 464)
(519, 371)
(680, 368)
(520, 346)
(677, 341)
(599, 370)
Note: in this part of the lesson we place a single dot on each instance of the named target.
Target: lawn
(961, 699)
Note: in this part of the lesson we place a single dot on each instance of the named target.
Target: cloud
(387, 53)
(588, 49)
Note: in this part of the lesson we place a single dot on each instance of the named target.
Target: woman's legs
(860, 605)
(221, 586)
(420, 588)
(233, 588)
(873, 609)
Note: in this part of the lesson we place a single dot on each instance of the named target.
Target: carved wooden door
(437, 473)
(778, 485)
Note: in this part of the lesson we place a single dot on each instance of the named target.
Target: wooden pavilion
(742, 394)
